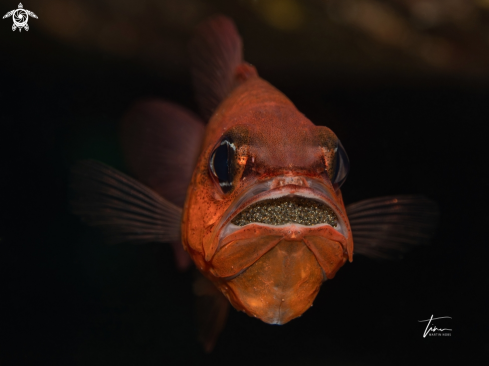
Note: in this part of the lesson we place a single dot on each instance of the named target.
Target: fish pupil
(221, 165)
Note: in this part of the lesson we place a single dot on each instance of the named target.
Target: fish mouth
(287, 209)
(276, 245)
(291, 204)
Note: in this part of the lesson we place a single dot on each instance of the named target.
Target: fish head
(264, 217)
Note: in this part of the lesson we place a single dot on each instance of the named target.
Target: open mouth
(309, 206)
(262, 218)
(287, 209)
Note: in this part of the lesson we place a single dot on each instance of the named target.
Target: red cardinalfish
(263, 217)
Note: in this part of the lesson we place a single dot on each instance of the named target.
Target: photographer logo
(432, 330)
(20, 17)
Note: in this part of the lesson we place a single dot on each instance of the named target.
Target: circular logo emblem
(20, 18)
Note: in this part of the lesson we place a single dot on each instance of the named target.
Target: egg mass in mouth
(288, 209)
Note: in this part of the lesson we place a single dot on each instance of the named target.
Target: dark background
(412, 119)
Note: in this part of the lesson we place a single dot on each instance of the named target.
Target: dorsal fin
(216, 53)
(161, 142)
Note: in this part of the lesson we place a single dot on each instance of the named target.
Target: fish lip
(317, 193)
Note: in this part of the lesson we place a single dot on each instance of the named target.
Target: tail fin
(216, 53)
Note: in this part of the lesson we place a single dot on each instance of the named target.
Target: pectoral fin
(125, 209)
(388, 227)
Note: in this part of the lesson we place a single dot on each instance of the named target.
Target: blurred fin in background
(397, 37)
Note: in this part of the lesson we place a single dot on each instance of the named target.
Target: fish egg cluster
(284, 210)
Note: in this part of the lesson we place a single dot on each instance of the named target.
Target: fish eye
(221, 164)
(341, 166)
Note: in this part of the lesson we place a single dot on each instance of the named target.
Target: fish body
(272, 272)
(253, 198)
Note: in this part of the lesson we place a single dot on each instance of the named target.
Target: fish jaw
(280, 187)
(274, 272)
(247, 245)
(280, 286)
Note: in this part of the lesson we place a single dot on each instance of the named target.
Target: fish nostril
(283, 181)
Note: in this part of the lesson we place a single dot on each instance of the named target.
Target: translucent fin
(212, 309)
(216, 53)
(388, 227)
(161, 143)
(182, 258)
(125, 209)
